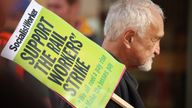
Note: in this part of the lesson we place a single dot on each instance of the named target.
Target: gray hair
(124, 14)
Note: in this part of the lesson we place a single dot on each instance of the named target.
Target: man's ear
(128, 37)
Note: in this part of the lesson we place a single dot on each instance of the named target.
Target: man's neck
(114, 48)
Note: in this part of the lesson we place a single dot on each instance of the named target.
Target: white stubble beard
(147, 66)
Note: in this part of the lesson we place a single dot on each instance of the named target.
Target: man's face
(146, 47)
(74, 10)
(60, 7)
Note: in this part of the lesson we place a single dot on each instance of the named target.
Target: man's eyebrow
(159, 37)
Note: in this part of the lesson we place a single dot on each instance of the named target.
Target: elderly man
(133, 29)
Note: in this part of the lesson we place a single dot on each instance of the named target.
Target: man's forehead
(160, 32)
(158, 26)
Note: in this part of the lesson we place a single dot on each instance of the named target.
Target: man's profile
(133, 29)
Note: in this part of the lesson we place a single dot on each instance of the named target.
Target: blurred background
(169, 84)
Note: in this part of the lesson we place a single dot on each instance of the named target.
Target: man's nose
(157, 49)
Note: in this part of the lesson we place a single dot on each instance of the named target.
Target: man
(133, 29)
(69, 10)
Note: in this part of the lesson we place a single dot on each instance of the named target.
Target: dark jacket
(127, 90)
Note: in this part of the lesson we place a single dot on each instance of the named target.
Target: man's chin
(146, 67)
